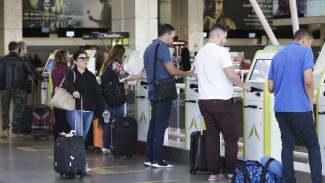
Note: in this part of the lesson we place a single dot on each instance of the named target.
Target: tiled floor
(31, 161)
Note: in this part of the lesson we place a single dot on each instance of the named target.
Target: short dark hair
(77, 53)
(165, 28)
(220, 27)
(302, 33)
(12, 46)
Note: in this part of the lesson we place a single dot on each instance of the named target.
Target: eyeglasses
(83, 58)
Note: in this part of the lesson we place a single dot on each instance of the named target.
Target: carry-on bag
(124, 135)
(42, 123)
(198, 160)
(98, 133)
(69, 153)
(26, 120)
(254, 172)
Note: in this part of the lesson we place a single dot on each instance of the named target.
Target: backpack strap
(243, 169)
(265, 170)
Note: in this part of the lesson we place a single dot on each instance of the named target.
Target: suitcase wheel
(117, 156)
(191, 171)
(129, 156)
(61, 175)
(194, 171)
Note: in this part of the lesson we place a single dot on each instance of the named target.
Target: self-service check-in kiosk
(142, 110)
(45, 84)
(261, 132)
(192, 112)
(320, 116)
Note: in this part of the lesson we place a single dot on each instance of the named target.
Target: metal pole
(264, 22)
(294, 15)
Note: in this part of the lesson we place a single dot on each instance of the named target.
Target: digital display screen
(260, 70)
(49, 66)
(69, 34)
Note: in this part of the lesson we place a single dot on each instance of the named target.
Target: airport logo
(254, 132)
(143, 117)
(193, 124)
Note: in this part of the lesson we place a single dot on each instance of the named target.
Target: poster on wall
(54, 14)
(235, 15)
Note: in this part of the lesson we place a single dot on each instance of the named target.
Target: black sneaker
(162, 165)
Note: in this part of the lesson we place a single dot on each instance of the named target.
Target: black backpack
(112, 89)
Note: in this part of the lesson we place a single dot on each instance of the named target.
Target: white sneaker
(216, 177)
(87, 168)
(162, 165)
(106, 151)
(5, 133)
(147, 164)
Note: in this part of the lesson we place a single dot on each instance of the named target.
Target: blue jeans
(300, 123)
(114, 113)
(160, 116)
(87, 118)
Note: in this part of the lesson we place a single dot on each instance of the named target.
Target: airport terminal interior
(258, 30)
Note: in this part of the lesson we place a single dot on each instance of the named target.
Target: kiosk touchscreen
(259, 119)
(45, 83)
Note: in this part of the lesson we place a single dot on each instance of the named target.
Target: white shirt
(212, 80)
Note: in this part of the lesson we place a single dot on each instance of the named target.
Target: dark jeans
(160, 115)
(19, 99)
(300, 123)
(219, 116)
(114, 113)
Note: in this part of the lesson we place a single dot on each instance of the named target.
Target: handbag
(63, 99)
(165, 89)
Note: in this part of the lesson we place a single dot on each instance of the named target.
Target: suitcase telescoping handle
(75, 117)
(201, 122)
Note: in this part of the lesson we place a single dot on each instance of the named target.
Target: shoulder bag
(165, 89)
(63, 99)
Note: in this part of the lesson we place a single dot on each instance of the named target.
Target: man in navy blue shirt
(291, 79)
(160, 110)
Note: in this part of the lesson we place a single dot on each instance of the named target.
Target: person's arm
(172, 70)
(70, 81)
(234, 78)
(271, 86)
(309, 85)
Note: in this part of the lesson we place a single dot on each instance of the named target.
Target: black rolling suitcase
(26, 121)
(124, 136)
(198, 160)
(69, 154)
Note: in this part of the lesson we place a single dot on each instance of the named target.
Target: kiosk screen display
(48, 66)
(261, 69)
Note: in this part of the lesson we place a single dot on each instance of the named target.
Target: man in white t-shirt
(216, 78)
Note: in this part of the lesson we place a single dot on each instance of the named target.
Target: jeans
(87, 117)
(160, 116)
(302, 124)
(114, 113)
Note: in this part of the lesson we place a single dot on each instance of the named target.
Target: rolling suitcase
(124, 135)
(98, 133)
(198, 161)
(69, 154)
(26, 121)
(42, 123)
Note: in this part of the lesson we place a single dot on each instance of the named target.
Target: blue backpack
(254, 172)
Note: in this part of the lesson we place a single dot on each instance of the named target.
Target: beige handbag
(63, 99)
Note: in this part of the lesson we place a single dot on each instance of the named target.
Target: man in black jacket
(13, 71)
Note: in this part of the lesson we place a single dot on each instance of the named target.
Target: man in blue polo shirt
(160, 110)
(291, 80)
